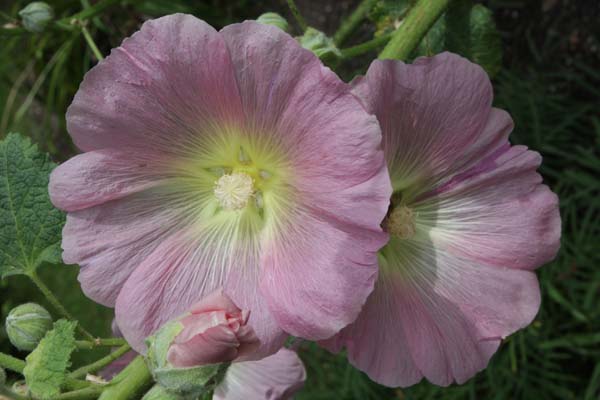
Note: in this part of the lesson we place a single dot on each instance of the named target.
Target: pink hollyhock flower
(215, 331)
(469, 222)
(277, 377)
(231, 158)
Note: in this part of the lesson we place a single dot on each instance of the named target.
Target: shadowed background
(550, 84)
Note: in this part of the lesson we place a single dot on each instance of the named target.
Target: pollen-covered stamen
(234, 190)
(401, 222)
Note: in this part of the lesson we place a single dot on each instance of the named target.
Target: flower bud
(191, 354)
(274, 19)
(36, 16)
(320, 44)
(27, 324)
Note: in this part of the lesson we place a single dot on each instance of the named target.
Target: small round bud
(274, 19)
(36, 16)
(2, 376)
(27, 324)
(320, 44)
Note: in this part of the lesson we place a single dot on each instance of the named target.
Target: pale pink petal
(215, 345)
(335, 154)
(99, 176)
(110, 240)
(436, 316)
(277, 377)
(164, 85)
(182, 270)
(318, 273)
(431, 112)
(216, 301)
(497, 213)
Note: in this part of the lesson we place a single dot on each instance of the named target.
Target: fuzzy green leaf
(47, 365)
(30, 226)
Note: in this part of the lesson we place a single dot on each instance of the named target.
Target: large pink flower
(229, 158)
(469, 222)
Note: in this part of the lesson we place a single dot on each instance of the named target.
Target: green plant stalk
(90, 393)
(90, 41)
(296, 13)
(101, 363)
(89, 345)
(350, 23)
(56, 303)
(12, 363)
(418, 21)
(365, 47)
(130, 383)
(4, 391)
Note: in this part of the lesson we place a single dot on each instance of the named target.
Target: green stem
(130, 383)
(413, 28)
(366, 46)
(101, 363)
(11, 363)
(90, 41)
(89, 393)
(296, 13)
(56, 303)
(87, 13)
(89, 345)
(350, 23)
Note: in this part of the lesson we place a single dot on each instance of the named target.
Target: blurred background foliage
(544, 57)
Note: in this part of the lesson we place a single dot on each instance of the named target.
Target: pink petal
(429, 112)
(110, 240)
(318, 274)
(168, 81)
(99, 176)
(276, 377)
(216, 301)
(498, 213)
(215, 345)
(437, 316)
(182, 270)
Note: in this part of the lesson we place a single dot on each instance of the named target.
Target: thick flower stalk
(231, 158)
(469, 221)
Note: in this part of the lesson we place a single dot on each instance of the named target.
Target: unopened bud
(36, 16)
(320, 44)
(274, 19)
(27, 324)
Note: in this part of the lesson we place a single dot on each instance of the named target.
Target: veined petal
(437, 316)
(96, 177)
(345, 264)
(164, 85)
(429, 111)
(497, 213)
(186, 267)
(276, 377)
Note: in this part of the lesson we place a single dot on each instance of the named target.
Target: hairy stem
(350, 23)
(12, 363)
(296, 13)
(90, 41)
(101, 363)
(92, 344)
(130, 383)
(418, 21)
(56, 303)
(365, 47)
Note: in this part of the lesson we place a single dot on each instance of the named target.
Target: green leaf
(46, 367)
(486, 44)
(30, 226)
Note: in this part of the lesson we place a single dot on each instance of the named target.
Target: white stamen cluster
(401, 222)
(234, 190)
